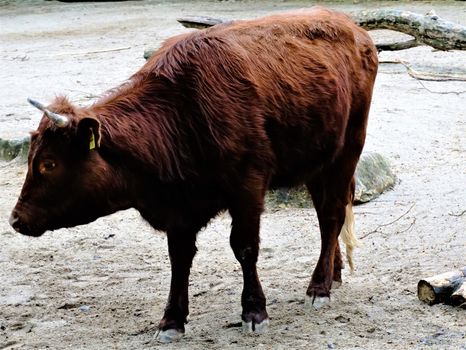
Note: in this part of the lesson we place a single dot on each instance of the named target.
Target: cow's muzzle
(14, 220)
(21, 227)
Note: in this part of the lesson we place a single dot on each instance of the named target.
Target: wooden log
(199, 22)
(396, 46)
(459, 296)
(427, 29)
(440, 288)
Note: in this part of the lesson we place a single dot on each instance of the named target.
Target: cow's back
(280, 88)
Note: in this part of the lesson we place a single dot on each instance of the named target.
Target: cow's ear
(89, 133)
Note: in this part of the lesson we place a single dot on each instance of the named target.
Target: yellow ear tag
(92, 141)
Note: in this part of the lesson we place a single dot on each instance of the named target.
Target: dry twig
(425, 75)
(409, 227)
(440, 92)
(91, 52)
(87, 95)
(391, 222)
(429, 77)
(460, 214)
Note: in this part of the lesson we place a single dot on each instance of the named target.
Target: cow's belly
(298, 159)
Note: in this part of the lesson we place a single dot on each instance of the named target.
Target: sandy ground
(104, 285)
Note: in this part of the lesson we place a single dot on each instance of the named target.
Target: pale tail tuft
(347, 235)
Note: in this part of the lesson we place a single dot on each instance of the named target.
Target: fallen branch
(440, 92)
(397, 46)
(460, 214)
(390, 223)
(427, 29)
(91, 52)
(87, 95)
(200, 22)
(425, 75)
(429, 77)
(432, 77)
(408, 228)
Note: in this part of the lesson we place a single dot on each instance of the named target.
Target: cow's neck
(143, 132)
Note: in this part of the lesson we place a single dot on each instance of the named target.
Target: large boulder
(373, 177)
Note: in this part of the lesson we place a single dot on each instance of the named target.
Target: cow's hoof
(250, 327)
(169, 336)
(315, 302)
(336, 284)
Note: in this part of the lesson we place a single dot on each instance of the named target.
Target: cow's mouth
(23, 228)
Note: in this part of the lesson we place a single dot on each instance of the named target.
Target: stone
(373, 177)
(10, 149)
(148, 53)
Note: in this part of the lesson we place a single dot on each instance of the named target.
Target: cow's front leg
(244, 241)
(181, 248)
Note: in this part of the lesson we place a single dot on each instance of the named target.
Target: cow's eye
(46, 166)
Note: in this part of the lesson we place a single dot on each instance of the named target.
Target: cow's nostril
(14, 219)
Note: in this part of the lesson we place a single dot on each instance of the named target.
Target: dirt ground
(104, 285)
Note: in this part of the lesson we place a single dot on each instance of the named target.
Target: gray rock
(148, 53)
(10, 149)
(84, 308)
(373, 177)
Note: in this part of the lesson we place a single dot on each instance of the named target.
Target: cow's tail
(347, 235)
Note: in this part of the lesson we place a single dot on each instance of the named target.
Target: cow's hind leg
(348, 238)
(337, 267)
(245, 212)
(332, 193)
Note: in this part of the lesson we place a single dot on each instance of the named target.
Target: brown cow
(214, 119)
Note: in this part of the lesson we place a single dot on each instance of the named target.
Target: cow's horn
(59, 120)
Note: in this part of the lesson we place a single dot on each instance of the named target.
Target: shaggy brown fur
(209, 123)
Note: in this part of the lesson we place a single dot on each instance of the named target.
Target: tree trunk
(448, 287)
(426, 29)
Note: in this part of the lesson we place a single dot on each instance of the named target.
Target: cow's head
(66, 176)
